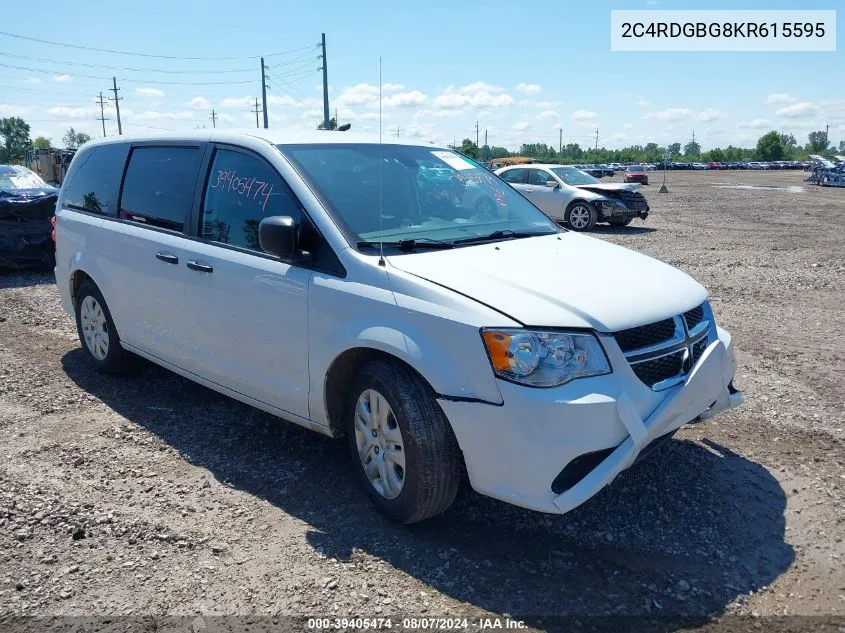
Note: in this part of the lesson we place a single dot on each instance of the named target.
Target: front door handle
(203, 268)
(170, 259)
(529, 190)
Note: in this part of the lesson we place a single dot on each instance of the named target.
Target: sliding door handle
(170, 259)
(203, 268)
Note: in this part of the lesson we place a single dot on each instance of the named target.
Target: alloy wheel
(94, 327)
(379, 442)
(579, 217)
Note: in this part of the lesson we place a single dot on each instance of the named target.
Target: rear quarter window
(95, 178)
(158, 189)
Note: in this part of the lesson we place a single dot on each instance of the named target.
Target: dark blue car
(27, 204)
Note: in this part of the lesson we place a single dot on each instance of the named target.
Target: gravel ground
(150, 495)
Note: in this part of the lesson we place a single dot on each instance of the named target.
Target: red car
(636, 173)
(713, 165)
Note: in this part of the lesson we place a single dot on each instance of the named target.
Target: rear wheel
(97, 332)
(402, 448)
(581, 216)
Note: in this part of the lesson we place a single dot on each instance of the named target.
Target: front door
(249, 327)
(548, 199)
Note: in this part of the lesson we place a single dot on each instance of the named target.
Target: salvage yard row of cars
(399, 296)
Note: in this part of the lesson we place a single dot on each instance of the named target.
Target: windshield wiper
(501, 235)
(410, 244)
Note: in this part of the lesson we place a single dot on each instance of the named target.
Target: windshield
(13, 177)
(636, 168)
(572, 176)
(425, 194)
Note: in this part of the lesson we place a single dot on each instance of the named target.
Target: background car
(27, 204)
(636, 173)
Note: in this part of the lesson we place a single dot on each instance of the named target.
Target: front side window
(539, 177)
(400, 193)
(159, 186)
(94, 178)
(240, 192)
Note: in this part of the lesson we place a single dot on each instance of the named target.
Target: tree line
(14, 136)
(771, 146)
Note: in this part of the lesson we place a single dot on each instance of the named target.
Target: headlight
(612, 202)
(544, 359)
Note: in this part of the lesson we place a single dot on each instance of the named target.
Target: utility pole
(597, 139)
(486, 147)
(255, 111)
(398, 129)
(102, 118)
(826, 141)
(476, 135)
(264, 92)
(560, 143)
(213, 118)
(117, 101)
(325, 70)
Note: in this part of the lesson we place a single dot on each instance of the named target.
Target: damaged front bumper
(25, 231)
(553, 449)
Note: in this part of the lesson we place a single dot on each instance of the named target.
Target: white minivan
(356, 288)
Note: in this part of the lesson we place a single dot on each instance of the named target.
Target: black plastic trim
(441, 396)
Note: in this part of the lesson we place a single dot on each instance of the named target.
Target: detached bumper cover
(515, 452)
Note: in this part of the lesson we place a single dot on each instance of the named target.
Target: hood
(561, 280)
(611, 186)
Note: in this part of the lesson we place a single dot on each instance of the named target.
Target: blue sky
(522, 70)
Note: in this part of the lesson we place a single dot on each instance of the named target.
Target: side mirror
(277, 235)
(554, 184)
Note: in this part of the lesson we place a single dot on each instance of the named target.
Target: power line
(128, 68)
(134, 81)
(116, 52)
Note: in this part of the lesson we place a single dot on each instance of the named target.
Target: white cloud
(482, 99)
(479, 86)
(780, 97)
(669, 114)
(358, 94)
(710, 114)
(279, 100)
(63, 78)
(797, 110)
(156, 115)
(529, 89)
(627, 126)
(756, 124)
(73, 113)
(388, 87)
(369, 116)
(583, 115)
(149, 92)
(237, 102)
(642, 102)
(403, 99)
(13, 110)
(199, 103)
(32, 80)
(548, 114)
(521, 125)
(226, 118)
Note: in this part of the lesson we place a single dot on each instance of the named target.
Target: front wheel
(402, 448)
(581, 216)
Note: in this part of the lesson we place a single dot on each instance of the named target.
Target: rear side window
(159, 186)
(93, 182)
(515, 176)
(241, 191)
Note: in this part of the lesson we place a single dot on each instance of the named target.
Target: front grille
(661, 368)
(645, 335)
(633, 200)
(693, 317)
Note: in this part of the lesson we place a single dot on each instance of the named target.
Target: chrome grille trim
(693, 332)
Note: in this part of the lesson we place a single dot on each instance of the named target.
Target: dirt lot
(148, 494)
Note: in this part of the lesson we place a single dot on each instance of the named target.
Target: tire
(616, 222)
(102, 347)
(431, 462)
(583, 214)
